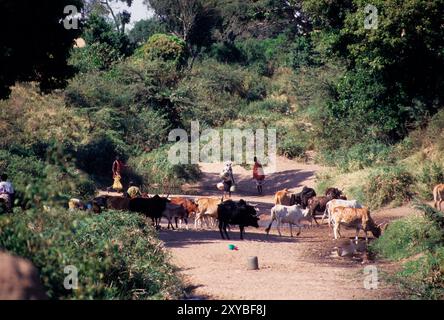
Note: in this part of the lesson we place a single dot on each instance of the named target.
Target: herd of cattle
(291, 208)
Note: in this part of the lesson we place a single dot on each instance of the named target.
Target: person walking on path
(117, 169)
(118, 166)
(228, 179)
(258, 175)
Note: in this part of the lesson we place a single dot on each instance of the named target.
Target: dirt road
(290, 268)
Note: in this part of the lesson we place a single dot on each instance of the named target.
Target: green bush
(94, 57)
(420, 240)
(49, 182)
(164, 47)
(291, 148)
(302, 53)
(361, 110)
(294, 140)
(96, 157)
(117, 254)
(225, 52)
(159, 173)
(265, 107)
(358, 156)
(145, 129)
(214, 93)
(423, 278)
(432, 173)
(388, 184)
(144, 29)
(407, 237)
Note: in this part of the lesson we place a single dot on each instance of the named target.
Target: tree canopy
(37, 45)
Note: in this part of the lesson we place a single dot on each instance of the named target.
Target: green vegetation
(117, 254)
(417, 241)
(386, 185)
(368, 102)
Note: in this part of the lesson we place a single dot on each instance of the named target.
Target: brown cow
(283, 197)
(207, 208)
(335, 193)
(438, 196)
(189, 205)
(318, 205)
(358, 218)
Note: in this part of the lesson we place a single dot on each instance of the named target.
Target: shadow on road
(182, 238)
(290, 179)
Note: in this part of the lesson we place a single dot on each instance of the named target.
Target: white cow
(329, 207)
(293, 215)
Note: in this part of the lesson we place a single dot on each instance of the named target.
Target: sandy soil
(304, 267)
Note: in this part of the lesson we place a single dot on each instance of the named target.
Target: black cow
(335, 193)
(112, 202)
(236, 213)
(302, 197)
(102, 201)
(150, 207)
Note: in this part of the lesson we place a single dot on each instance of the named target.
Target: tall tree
(37, 45)
(143, 29)
(105, 7)
(259, 18)
(191, 20)
(400, 58)
(179, 15)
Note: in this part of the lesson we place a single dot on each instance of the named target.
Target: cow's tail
(273, 217)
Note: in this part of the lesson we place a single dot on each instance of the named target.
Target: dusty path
(290, 268)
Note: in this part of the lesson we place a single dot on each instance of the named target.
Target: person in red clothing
(258, 175)
(117, 167)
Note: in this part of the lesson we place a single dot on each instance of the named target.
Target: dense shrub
(94, 57)
(359, 110)
(432, 135)
(21, 170)
(216, 92)
(388, 184)
(420, 240)
(159, 173)
(423, 278)
(432, 173)
(117, 254)
(145, 129)
(125, 110)
(99, 29)
(291, 149)
(49, 182)
(358, 156)
(292, 144)
(302, 53)
(96, 157)
(164, 47)
(407, 237)
(144, 29)
(265, 107)
(225, 52)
